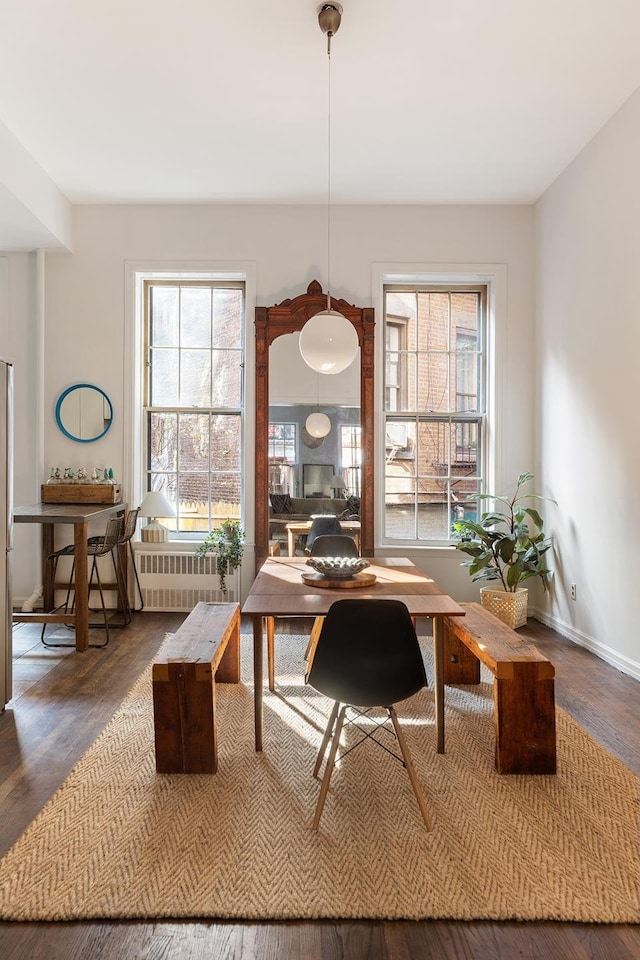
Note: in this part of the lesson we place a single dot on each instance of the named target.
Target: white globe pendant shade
(328, 342)
(318, 424)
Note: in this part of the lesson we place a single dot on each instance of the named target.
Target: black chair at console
(128, 530)
(367, 656)
(96, 547)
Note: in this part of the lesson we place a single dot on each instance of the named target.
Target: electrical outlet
(573, 591)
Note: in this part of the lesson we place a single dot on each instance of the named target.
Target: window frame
(134, 464)
(494, 277)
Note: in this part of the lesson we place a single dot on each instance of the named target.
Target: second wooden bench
(204, 649)
(523, 687)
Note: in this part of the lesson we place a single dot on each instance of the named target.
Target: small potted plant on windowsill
(504, 549)
(227, 542)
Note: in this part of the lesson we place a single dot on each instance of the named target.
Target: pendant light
(328, 341)
(318, 424)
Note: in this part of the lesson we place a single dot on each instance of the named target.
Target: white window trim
(494, 276)
(136, 272)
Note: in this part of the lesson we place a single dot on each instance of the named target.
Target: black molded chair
(334, 545)
(96, 547)
(321, 527)
(367, 656)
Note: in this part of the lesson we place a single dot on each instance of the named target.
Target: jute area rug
(120, 841)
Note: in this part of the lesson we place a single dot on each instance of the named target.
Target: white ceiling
(193, 101)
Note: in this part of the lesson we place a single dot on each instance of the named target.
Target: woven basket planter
(511, 608)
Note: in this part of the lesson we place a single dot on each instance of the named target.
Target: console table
(49, 515)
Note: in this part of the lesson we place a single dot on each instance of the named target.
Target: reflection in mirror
(84, 412)
(281, 366)
(295, 392)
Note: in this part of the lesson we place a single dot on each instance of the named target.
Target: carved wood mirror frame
(289, 317)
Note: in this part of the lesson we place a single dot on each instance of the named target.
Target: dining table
(49, 516)
(279, 590)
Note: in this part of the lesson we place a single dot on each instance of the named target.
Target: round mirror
(84, 412)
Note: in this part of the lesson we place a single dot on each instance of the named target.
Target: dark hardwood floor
(63, 700)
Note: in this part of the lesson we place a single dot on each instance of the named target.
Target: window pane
(225, 496)
(164, 379)
(400, 479)
(225, 443)
(195, 317)
(194, 442)
(433, 382)
(166, 483)
(399, 520)
(434, 519)
(465, 363)
(195, 378)
(163, 433)
(164, 316)
(228, 310)
(401, 309)
(194, 494)
(227, 378)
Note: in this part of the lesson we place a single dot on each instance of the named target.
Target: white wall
(85, 296)
(20, 345)
(588, 343)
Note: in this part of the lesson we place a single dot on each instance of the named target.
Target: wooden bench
(204, 649)
(523, 687)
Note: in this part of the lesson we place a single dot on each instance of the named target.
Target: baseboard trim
(613, 657)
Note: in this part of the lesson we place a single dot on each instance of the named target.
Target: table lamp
(155, 505)
(337, 484)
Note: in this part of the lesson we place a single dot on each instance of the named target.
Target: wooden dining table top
(279, 589)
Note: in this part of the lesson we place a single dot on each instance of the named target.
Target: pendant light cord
(329, 171)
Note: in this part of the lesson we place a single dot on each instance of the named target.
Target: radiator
(177, 581)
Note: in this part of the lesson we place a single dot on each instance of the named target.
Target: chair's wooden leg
(408, 762)
(312, 641)
(271, 632)
(329, 769)
(327, 736)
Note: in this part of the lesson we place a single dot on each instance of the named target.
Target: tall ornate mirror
(288, 318)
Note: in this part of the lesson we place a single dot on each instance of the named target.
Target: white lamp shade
(155, 504)
(318, 424)
(328, 342)
(337, 482)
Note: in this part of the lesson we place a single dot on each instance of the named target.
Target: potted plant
(227, 542)
(503, 548)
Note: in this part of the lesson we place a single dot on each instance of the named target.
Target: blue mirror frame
(66, 423)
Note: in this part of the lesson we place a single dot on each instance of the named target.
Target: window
(435, 407)
(194, 398)
(283, 444)
(283, 441)
(351, 457)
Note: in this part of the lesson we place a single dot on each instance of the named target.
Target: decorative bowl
(338, 568)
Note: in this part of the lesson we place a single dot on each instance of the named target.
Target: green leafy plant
(227, 542)
(501, 543)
